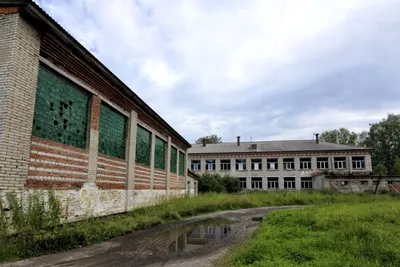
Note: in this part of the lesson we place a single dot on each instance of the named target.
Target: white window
(358, 163)
(242, 183)
(366, 182)
(305, 164)
(340, 163)
(256, 164)
(195, 165)
(256, 182)
(272, 164)
(273, 182)
(240, 164)
(322, 163)
(289, 183)
(306, 183)
(210, 165)
(225, 164)
(288, 164)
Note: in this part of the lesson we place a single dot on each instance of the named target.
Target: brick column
(131, 149)
(168, 163)
(95, 107)
(19, 66)
(152, 155)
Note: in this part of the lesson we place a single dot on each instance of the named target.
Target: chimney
(204, 142)
(317, 138)
(238, 140)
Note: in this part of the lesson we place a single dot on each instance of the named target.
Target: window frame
(306, 183)
(324, 162)
(289, 181)
(307, 162)
(273, 182)
(238, 162)
(289, 161)
(197, 163)
(256, 184)
(272, 161)
(212, 163)
(256, 162)
(225, 166)
(340, 164)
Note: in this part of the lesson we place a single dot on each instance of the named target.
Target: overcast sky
(261, 69)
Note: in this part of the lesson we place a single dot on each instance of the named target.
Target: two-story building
(271, 165)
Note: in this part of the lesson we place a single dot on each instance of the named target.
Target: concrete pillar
(248, 182)
(313, 163)
(218, 232)
(95, 107)
(280, 164)
(152, 158)
(130, 156)
(281, 183)
(19, 66)
(202, 231)
(296, 163)
(297, 181)
(331, 164)
(217, 165)
(349, 164)
(203, 165)
(233, 165)
(248, 165)
(186, 167)
(168, 165)
(264, 163)
(265, 183)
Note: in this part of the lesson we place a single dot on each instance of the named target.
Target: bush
(215, 183)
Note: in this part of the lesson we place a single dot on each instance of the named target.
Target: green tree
(341, 136)
(210, 182)
(384, 139)
(210, 139)
(396, 167)
(380, 169)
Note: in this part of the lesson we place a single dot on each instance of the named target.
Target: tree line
(382, 137)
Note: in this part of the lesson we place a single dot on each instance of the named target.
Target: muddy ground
(196, 242)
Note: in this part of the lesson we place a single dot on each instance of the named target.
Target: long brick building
(68, 123)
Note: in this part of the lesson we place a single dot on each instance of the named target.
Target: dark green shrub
(211, 183)
(231, 184)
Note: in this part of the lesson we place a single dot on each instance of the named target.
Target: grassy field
(351, 234)
(36, 238)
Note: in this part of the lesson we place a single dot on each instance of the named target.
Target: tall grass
(37, 233)
(351, 234)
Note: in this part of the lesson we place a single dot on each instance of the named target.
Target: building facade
(68, 123)
(286, 165)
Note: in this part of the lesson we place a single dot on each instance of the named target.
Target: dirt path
(176, 244)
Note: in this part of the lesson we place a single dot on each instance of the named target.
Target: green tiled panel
(174, 155)
(181, 163)
(143, 146)
(159, 156)
(112, 133)
(61, 110)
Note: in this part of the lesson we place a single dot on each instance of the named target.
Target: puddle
(191, 236)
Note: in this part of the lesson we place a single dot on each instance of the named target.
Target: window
(390, 182)
(242, 183)
(365, 182)
(273, 182)
(159, 153)
(181, 164)
(61, 110)
(112, 132)
(344, 182)
(358, 163)
(143, 145)
(240, 164)
(322, 163)
(256, 182)
(256, 165)
(210, 165)
(272, 164)
(225, 164)
(225, 230)
(305, 163)
(210, 232)
(306, 183)
(289, 183)
(340, 162)
(174, 160)
(288, 164)
(195, 165)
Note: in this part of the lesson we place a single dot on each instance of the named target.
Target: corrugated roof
(271, 146)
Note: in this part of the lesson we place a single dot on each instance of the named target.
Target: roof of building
(33, 10)
(271, 146)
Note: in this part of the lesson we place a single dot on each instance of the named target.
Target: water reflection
(194, 236)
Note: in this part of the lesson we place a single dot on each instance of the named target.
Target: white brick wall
(19, 64)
